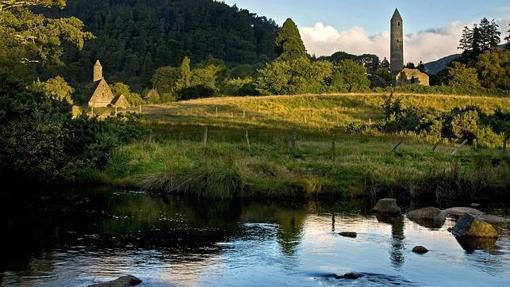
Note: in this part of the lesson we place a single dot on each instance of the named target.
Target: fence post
(216, 111)
(435, 146)
(116, 110)
(247, 136)
(92, 111)
(244, 114)
(396, 147)
(293, 139)
(205, 136)
(460, 146)
(140, 108)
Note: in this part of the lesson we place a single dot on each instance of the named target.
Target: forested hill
(134, 37)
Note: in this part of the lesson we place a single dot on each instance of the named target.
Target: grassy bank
(273, 164)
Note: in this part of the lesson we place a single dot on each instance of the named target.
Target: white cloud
(427, 45)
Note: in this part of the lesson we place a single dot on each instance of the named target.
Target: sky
(432, 27)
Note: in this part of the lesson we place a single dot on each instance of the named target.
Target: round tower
(98, 72)
(397, 43)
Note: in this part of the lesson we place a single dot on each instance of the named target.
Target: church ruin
(101, 95)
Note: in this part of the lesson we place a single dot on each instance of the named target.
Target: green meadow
(298, 147)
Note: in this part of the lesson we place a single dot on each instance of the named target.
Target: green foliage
(463, 79)
(136, 37)
(56, 88)
(288, 42)
(296, 76)
(480, 38)
(165, 79)
(34, 39)
(185, 75)
(348, 76)
(494, 69)
(120, 88)
(238, 87)
(41, 142)
(152, 96)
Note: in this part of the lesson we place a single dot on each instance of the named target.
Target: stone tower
(397, 43)
(98, 72)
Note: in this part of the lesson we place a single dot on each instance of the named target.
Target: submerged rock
(469, 226)
(387, 206)
(493, 219)
(124, 281)
(348, 234)
(352, 275)
(470, 244)
(430, 217)
(420, 250)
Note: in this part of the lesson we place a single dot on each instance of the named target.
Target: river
(89, 237)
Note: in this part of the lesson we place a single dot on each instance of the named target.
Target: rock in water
(388, 206)
(460, 211)
(352, 275)
(420, 250)
(429, 217)
(124, 281)
(348, 234)
(469, 226)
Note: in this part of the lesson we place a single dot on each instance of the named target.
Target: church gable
(121, 102)
(102, 95)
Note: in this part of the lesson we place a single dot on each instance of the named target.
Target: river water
(85, 238)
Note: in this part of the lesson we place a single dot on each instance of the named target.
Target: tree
(421, 67)
(165, 79)
(33, 39)
(295, 76)
(462, 79)
(349, 76)
(55, 88)
(288, 42)
(494, 69)
(466, 40)
(185, 75)
(490, 35)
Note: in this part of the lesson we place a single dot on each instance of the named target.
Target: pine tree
(288, 42)
(490, 36)
(477, 43)
(466, 40)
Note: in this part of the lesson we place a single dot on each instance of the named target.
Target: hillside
(437, 66)
(134, 37)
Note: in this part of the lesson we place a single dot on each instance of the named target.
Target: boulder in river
(420, 250)
(387, 206)
(469, 226)
(124, 281)
(348, 234)
(430, 217)
(460, 211)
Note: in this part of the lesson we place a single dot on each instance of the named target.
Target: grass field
(282, 146)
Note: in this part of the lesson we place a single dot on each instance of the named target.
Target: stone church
(402, 76)
(101, 95)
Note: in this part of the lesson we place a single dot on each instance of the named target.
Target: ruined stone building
(402, 76)
(101, 94)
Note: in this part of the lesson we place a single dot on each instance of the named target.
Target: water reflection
(169, 241)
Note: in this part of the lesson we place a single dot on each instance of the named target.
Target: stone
(493, 219)
(387, 206)
(420, 250)
(474, 205)
(348, 234)
(352, 275)
(471, 244)
(430, 217)
(469, 226)
(460, 211)
(124, 281)
(412, 77)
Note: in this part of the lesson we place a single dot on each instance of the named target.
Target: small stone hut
(412, 76)
(121, 102)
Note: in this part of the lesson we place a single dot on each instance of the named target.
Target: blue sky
(373, 14)
(358, 26)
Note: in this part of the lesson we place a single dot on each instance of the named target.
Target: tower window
(399, 24)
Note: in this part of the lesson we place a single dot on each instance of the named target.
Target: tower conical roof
(97, 63)
(396, 15)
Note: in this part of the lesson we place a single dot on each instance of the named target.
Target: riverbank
(298, 147)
